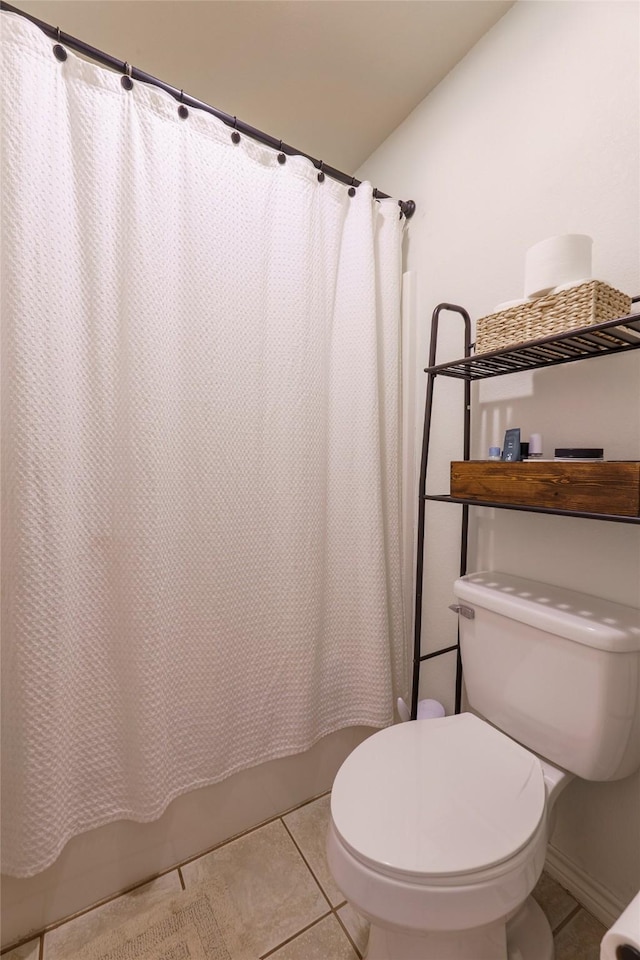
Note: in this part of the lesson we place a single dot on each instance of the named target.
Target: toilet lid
(438, 797)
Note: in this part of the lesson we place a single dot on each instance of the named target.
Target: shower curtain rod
(407, 207)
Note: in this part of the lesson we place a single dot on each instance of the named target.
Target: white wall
(534, 133)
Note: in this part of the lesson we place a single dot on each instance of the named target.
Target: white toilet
(438, 828)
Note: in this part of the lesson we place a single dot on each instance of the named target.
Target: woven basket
(591, 302)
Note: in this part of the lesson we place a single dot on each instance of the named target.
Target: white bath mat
(187, 927)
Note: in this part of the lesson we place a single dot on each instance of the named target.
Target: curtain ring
(321, 173)
(126, 81)
(281, 156)
(352, 190)
(59, 51)
(183, 113)
(235, 136)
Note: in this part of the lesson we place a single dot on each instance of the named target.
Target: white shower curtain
(201, 560)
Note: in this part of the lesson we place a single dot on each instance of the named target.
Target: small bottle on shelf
(494, 453)
(535, 446)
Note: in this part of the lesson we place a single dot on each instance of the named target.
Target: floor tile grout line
(306, 863)
(142, 883)
(346, 932)
(309, 926)
(334, 909)
(298, 933)
(570, 916)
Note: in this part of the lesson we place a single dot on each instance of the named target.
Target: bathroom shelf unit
(600, 339)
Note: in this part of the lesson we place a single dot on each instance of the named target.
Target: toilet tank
(557, 670)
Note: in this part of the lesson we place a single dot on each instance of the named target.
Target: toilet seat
(433, 800)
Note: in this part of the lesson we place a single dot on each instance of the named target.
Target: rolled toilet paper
(556, 261)
(624, 933)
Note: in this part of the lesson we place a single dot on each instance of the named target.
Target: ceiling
(332, 78)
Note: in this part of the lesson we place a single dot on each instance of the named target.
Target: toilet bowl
(437, 835)
(439, 827)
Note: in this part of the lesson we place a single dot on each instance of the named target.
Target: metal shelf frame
(615, 517)
(610, 336)
(600, 339)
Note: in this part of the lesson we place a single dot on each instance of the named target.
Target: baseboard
(595, 898)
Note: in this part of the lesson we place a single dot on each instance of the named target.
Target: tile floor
(278, 879)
